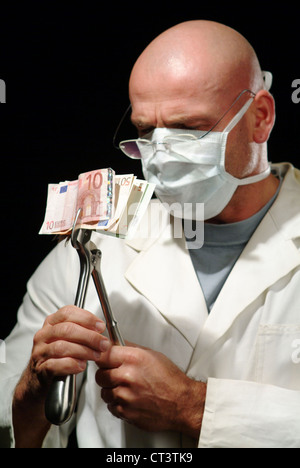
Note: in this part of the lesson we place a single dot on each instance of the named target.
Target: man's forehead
(179, 94)
(181, 104)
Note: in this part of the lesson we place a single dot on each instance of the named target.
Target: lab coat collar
(285, 211)
(164, 274)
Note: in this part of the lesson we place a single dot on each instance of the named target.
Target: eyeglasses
(134, 148)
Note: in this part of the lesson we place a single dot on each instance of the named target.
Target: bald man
(213, 332)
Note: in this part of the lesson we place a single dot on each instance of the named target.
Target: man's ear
(264, 116)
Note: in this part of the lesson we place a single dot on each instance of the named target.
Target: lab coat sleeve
(240, 414)
(52, 286)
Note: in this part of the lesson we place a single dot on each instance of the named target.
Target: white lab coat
(247, 348)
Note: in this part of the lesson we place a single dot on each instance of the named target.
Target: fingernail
(104, 345)
(100, 326)
(82, 365)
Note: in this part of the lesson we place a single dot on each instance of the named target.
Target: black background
(66, 66)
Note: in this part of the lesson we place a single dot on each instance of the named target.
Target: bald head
(189, 78)
(202, 54)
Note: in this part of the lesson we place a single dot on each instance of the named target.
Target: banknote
(95, 195)
(138, 200)
(124, 184)
(93, 192)
(113, 204)
(61, 207)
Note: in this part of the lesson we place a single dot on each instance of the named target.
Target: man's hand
(146, 389)
(68, 339)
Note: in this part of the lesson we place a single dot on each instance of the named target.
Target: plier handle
(61, 398)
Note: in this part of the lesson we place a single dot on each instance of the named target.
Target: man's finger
(74, 314)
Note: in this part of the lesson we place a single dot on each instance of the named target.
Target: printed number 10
(95, 181)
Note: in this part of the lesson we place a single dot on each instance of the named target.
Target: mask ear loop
(268, 80)
(230, 126)
(238, 116)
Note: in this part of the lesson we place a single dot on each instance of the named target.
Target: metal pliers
(61, 399)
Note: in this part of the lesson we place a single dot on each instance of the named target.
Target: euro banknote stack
(113, 204)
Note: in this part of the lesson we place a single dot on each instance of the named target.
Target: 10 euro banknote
(108, 202)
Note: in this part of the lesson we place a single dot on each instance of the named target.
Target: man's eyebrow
(174, 121)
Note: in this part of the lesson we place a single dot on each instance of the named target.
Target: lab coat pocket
(278, 355)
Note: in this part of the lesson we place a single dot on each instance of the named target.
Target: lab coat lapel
(267, 258)
(270, 255)
(165, 275)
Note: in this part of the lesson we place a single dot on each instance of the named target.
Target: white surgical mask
(188, 171)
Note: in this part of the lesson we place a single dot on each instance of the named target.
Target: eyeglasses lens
(130, 148)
